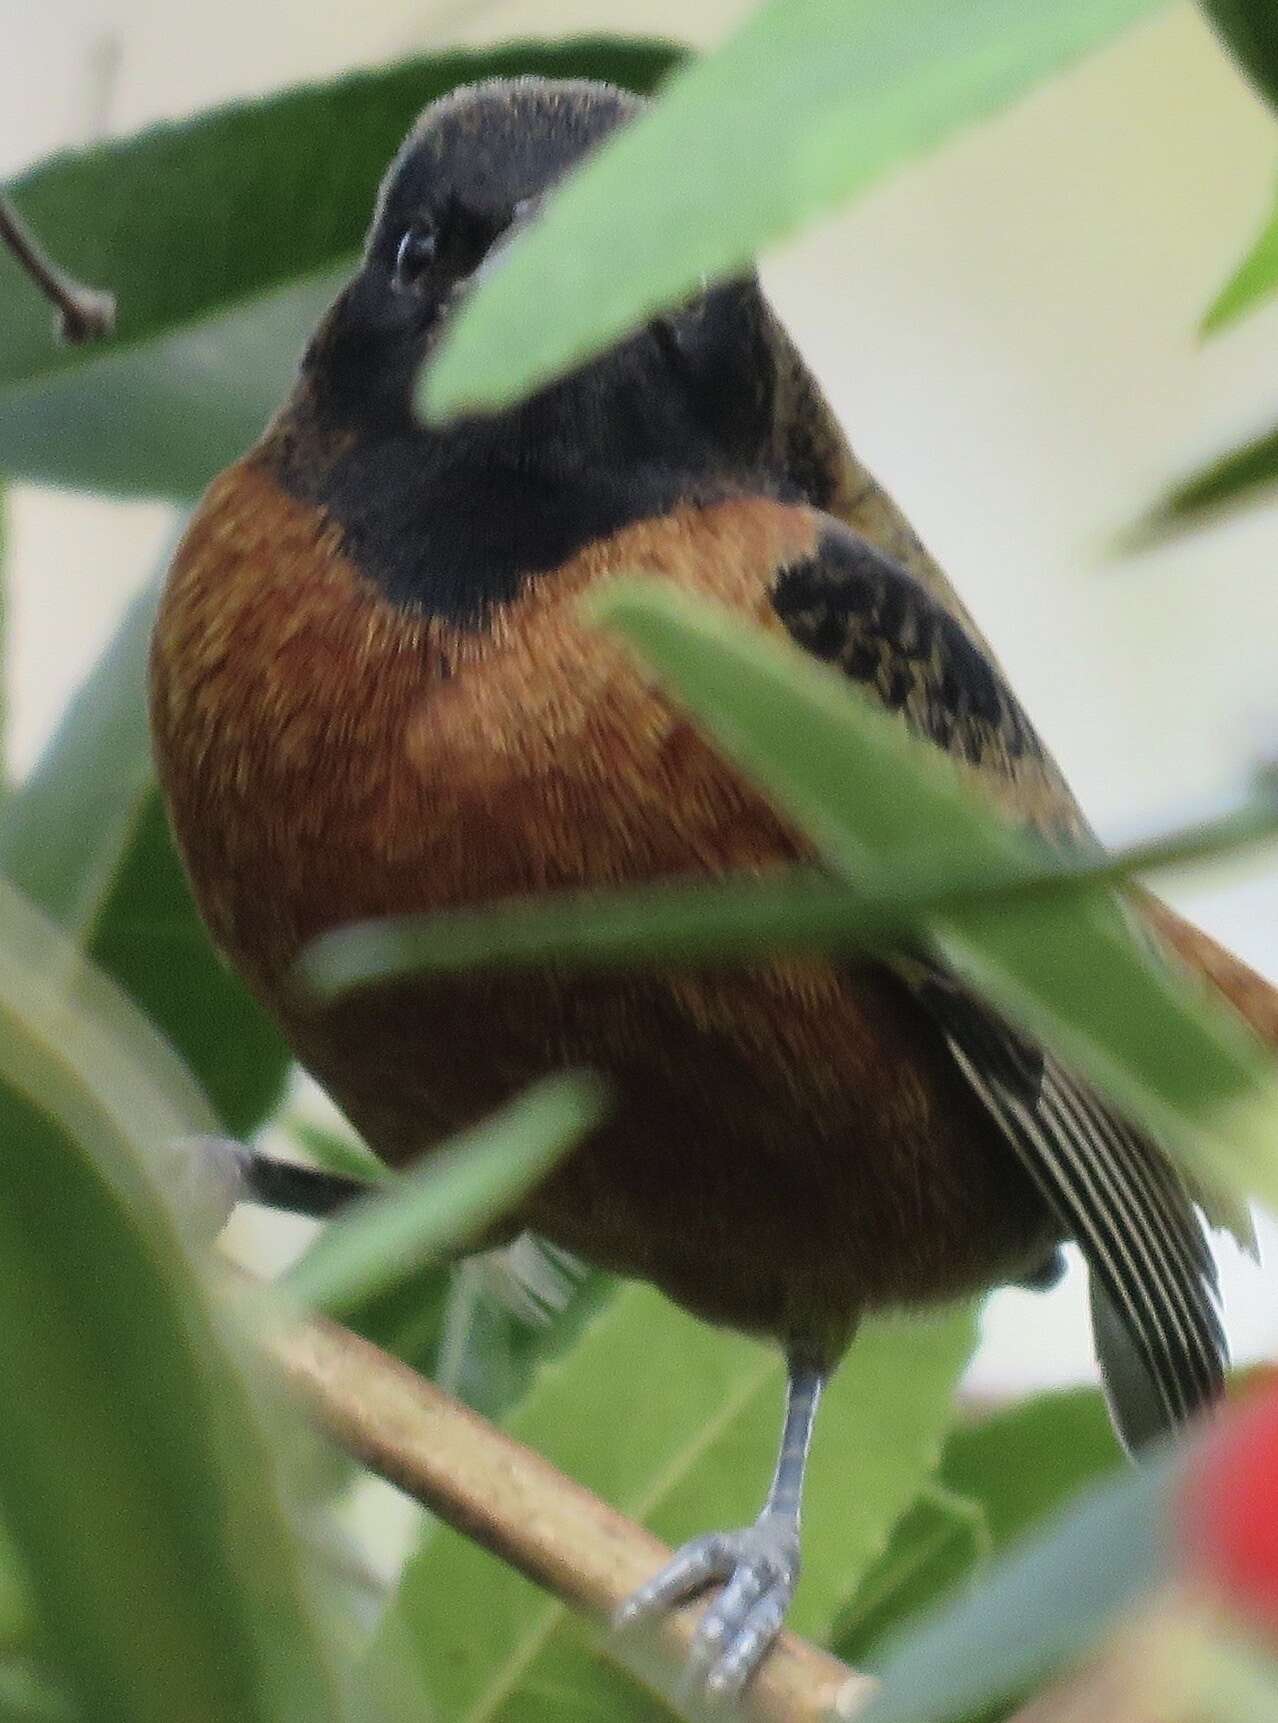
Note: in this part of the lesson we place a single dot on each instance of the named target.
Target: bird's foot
(760, 1566)
(205, 1178)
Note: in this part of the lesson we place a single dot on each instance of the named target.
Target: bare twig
(507, 1498)
(84, 313)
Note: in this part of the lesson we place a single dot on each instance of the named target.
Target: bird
(373, 691)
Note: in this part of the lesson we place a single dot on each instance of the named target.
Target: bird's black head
(682, 407)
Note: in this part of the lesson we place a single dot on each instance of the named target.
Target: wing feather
(1158, 1329)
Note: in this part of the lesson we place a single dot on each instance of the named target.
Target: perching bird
(373, 692)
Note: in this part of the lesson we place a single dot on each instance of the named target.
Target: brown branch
(507, 1498)
(84, 313)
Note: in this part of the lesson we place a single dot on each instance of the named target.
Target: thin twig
(84, 313)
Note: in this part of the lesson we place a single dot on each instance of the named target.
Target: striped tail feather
(1159, 1338)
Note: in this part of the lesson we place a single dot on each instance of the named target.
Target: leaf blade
(132, 1463)
(866, 792)
(872, 84)
(447, 1198)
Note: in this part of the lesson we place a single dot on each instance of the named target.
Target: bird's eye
(418, 249)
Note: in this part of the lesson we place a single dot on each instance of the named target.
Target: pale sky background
(1007, 331)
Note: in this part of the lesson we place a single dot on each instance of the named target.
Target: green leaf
(1250, 31)
(4, 646)
(1000, 1475)
(1244, 475)
(1048, 1601)
(940, 1540)
(1255, 279)
(447, 1198)
(136, 1475)
(1076, 973)
(796, 910)
(86, 838)
(1023, 1463)
(806, 105)
(224, 239)
(677, 1424)
(63, 835)
(150, 938)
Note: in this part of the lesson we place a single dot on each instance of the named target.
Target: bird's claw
(760, 1566)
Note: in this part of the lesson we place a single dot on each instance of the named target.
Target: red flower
(1229, 1508)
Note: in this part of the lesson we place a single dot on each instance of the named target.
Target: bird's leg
(209, 1176)
(759, 1564)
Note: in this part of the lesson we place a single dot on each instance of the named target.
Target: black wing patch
(1158, 1328)
(855, 608)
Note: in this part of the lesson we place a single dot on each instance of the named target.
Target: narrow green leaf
(1076, 973)
(1046, 1602)
(1250, 31)
(4, 645)
(806, 105)
(223, 238)
(1244, 475)
(797, 910)
(135, 1475)
(1255, 279)
(86, 837)
(62, 836)
(677, 1424)
(149, 937)
(444, 1202)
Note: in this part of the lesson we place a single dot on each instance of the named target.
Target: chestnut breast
(328, 756)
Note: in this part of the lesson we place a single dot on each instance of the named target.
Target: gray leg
(760, 1564)
(208, 1176)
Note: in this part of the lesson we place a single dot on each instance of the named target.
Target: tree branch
(507, 1498)
(84, 313)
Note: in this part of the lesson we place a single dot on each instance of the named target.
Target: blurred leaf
(135, 1477)
(1047, 1601)
(942, 1537)
(1233, 1681)
(479, 1328)
(1250, 31)
(4, 645)
(796, 909)
(677, 1424)
(64, 833)
(86, 838)
(1000, 1474)
(806, 105)
(447, 1197)
(1075, 972)
(27, 1697)
(1023, 1463)
(149, 936)
(1245, 475)
(337, 1151)
(1255, 279)
(224, 238)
